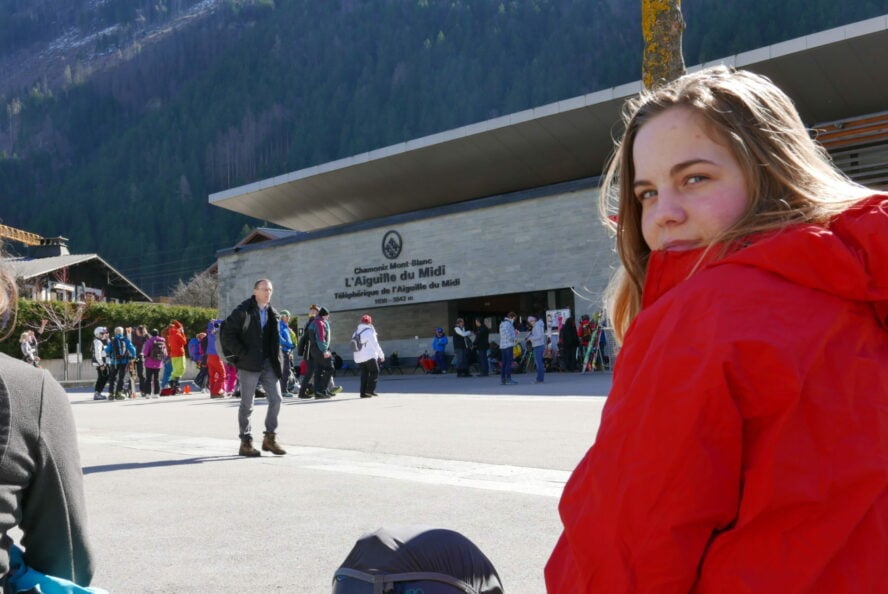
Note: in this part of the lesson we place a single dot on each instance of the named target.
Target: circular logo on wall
(392, 244)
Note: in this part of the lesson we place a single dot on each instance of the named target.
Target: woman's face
(690, 187)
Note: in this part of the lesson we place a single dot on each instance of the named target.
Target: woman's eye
(645, 194)
(695, 179)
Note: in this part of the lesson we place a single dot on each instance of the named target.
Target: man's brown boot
(247, 449)
(270, 445)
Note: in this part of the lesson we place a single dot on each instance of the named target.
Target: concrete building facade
(527, 252)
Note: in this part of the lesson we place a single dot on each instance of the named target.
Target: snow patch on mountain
(44, 66)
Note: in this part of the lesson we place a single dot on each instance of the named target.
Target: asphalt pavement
(173, 508)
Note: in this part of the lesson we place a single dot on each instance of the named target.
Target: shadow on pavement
(556, 384)
(156, 464)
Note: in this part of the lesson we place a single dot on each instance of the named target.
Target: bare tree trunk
(65, 352)
(661, 27)
(62, 317)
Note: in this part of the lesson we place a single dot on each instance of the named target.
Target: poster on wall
(555, 319)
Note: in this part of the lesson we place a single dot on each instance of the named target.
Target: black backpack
(304, 344)
(217, 340)
(158, 349)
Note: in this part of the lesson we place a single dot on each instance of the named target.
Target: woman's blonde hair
(8, 297)
(790, 177)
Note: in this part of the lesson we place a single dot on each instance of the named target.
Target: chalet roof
(260, 234)
(830, 75)
(30, 268)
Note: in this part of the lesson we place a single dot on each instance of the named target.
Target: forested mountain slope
(121, 116)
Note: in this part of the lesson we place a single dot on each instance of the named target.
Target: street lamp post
(81, 304)
(79, 351)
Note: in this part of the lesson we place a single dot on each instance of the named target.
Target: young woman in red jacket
(744, 445)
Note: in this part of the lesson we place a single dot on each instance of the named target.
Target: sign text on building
(395, 282)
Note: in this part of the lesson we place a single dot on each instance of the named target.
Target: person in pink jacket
(154, 351)
(744, 444)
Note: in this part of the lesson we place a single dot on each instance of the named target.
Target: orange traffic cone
(187, 389)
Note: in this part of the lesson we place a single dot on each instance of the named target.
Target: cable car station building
(502, 215)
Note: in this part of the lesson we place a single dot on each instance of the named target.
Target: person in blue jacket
(439, 345)
(287, 347)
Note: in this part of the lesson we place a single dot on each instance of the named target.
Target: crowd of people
(137, 362)
(133, 362)
(251, 353)
(254, 352)
(522, 345)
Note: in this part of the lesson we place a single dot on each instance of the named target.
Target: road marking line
(434, 471)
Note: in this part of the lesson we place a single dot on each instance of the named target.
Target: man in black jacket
(251, 338)
(462, 343)
(482, 343)
(303, 349)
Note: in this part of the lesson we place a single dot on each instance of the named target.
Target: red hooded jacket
(744, 444)
(176, 340)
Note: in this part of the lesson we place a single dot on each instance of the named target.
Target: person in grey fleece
(41, 484)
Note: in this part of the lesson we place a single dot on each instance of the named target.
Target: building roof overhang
(830, 75)
(30, 268)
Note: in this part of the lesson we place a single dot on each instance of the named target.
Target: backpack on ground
(356, 343)
(158, 349)
(120, 350)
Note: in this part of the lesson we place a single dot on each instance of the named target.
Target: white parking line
(495, 477)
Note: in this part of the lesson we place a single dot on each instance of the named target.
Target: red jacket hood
(848, 258)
